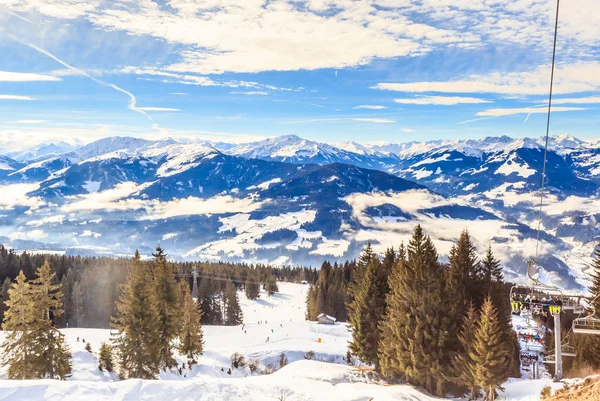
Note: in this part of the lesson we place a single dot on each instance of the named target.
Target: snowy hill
(288, 200)
(326, 377)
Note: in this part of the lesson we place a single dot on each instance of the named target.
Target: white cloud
(375, 120)
(576, 100)
(572, 78)
(18, 196)
(370, 107)
(441, 100)
(6, 76)
(250, 93)
(27, 121)
(408, 130)
(28, 235)
(178, 93)
(15, 97)
(157, 109)
(525, 110)
(120, 199)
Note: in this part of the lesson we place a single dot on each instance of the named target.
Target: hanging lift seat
(586, 325)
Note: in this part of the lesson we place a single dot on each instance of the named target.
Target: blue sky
(369, 70)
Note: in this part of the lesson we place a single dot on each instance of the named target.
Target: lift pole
(557, 347)
(195, 282)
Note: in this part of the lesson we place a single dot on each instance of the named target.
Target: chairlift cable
(537, 244)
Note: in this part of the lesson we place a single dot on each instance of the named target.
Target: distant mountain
(293, 149)
(290, 200)
(8, 165)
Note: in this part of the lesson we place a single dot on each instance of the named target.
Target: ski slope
(282, 321)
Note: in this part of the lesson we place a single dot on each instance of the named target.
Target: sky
(327, 70)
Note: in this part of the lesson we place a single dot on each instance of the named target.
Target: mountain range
(288, 200)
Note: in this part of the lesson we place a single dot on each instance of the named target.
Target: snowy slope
(300, 380)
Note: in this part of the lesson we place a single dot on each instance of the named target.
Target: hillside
(288, 200)
(326, 377)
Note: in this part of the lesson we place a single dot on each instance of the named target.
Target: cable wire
(537, 244)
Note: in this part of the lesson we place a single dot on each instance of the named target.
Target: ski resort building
(325, 319)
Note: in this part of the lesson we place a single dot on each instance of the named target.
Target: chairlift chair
(589, 324)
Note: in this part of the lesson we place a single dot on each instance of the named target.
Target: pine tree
(462, 361)
(414, 331)
(271, 286)
(366, 311)
(19, 354)
(490, 360)
(137, 324)
(365, 257)
(54, 357)
(105, 359)
(588, 346)
(6, 285)
(191, 339)
(233, 311)
(490, 266)
(252, 285)
(167, 296)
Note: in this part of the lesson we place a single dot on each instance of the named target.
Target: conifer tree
(18, 352)
(462, 361)
(6, 285)
(137, 324)
(167, 296)
(233, 311)
(490, 360)
(490, 266)
(588, 346)
(191, 340)
(415, 328)
(105, 359)
(54, 357)
(271, 286)
(365, 312)
(365, 257)
(252, 285)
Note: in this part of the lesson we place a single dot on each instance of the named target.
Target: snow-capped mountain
(293, 149)
(290, 200)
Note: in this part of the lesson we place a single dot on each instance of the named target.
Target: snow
(422, 173)
(326, 377)
(265, 185)
(248, 231)
(92, 186)
(511, 166)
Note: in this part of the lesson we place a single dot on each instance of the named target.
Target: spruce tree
(490, 266)
(18, 349)
(54, 357)
(488, 352)
(588, 346)
(167, 296)
(191, 340)
(233, 311)
(413, 342)
(366, 311)
(6, 285)
(365, 257)
(105, 359)
(137, 324)
(271, 286)
(462, 361)
(252, 285)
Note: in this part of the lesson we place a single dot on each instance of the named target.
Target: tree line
(444, 328)
(90, 286)
(153, 315)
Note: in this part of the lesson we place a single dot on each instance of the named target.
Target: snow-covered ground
(282, 321)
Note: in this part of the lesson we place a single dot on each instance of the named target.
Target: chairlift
(589, 324)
